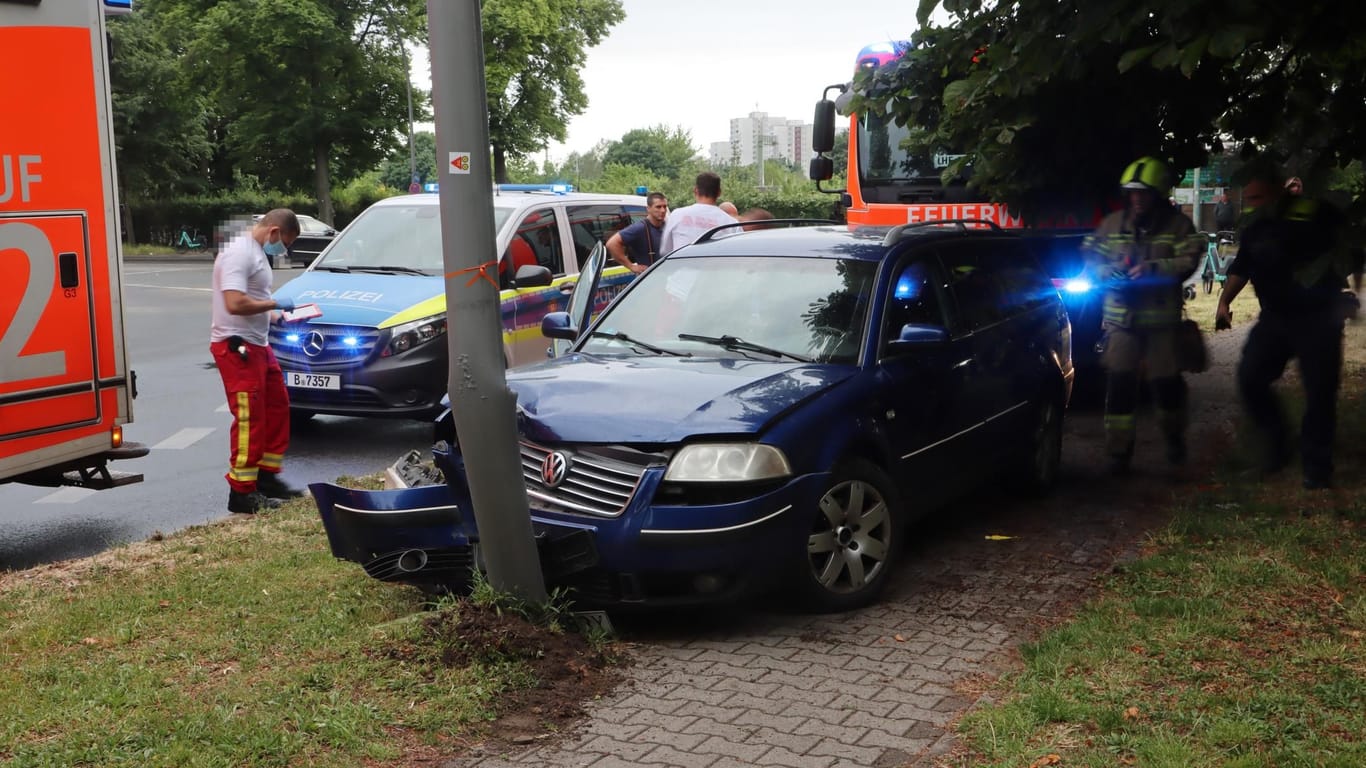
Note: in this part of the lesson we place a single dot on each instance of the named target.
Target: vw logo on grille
(554, 469)
(313, 344)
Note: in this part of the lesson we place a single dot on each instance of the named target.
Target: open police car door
(581, 299)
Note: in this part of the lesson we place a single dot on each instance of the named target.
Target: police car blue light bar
(557, 188)
(117, 7)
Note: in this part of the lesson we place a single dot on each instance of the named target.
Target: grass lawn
(244, 643)
(1239, 639)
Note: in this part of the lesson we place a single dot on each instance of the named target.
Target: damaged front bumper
(426, 535)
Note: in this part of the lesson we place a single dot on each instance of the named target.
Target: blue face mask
(274, 248)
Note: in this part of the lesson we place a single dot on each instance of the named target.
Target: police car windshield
(778, 308)
(395, 238)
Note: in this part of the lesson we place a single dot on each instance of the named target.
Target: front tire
(853, 542)
(1038, 469)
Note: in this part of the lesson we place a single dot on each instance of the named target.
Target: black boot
(270, 485)
(250, 503)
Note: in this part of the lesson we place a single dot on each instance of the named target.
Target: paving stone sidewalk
(881, 686)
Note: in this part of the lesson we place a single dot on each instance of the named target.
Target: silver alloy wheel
(849, 546)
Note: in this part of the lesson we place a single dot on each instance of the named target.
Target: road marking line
(66, 496)
(183, 439)
(169, 287)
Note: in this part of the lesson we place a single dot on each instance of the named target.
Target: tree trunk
(500, 165)
(322, 184)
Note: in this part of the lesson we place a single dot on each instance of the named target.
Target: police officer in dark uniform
(1292, 251)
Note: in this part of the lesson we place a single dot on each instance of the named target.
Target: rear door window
(977, 299)
(594, 223)
(1023, 284)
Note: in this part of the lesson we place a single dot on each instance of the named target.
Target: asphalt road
(181, 413)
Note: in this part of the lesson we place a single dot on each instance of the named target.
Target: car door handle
(568, 287)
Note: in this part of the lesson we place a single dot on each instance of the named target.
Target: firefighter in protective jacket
(1141, 255)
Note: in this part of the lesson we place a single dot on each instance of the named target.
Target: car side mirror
(918, 336)
(532, 276)
(557, 325)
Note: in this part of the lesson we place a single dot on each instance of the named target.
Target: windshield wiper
(331, 268)
(389, 268)
(619, 336)
(739, 344)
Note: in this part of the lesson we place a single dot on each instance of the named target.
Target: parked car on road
(768, 408)
(313, 237)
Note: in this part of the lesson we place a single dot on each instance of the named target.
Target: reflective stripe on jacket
(1169, 250)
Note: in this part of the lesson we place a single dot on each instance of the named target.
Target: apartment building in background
(763, 134)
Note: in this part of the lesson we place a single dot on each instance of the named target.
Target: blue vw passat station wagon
(766, 409)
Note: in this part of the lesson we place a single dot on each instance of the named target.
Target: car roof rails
(762, 224)
(958, 225)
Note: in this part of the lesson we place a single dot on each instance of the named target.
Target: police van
(379, 347)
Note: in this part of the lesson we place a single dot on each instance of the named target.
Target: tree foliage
(396, 170)
(159, 126)
(661, 150)
(1050, 99)
(534, 53)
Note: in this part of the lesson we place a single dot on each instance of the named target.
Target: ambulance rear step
(91, 472)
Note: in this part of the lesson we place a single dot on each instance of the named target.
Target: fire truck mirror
(823, 127)
(822, 168)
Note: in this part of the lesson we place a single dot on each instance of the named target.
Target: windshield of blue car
(397, 238)
(797, 308)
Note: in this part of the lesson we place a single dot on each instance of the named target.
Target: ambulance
(66, 389)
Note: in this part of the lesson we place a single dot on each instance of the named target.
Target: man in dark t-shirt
(637, 246)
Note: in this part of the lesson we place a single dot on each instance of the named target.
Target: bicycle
(1216, 263)
(190, 239)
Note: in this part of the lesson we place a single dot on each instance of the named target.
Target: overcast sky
(699, 63)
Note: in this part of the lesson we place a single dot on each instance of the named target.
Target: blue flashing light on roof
(558, 188)
(875, 55)
(117, 7)
(641, 190)
(431, 186)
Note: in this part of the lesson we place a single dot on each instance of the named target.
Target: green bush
(157, 222)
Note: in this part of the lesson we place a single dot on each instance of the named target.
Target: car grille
(334, 348)
(594, 484)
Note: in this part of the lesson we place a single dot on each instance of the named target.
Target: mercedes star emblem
(313, 344)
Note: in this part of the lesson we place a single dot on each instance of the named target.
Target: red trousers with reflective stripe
(255, 387)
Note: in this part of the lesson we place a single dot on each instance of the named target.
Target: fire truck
(66, 389)
(887, 185)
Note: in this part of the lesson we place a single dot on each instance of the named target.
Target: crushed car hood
(583, 398)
